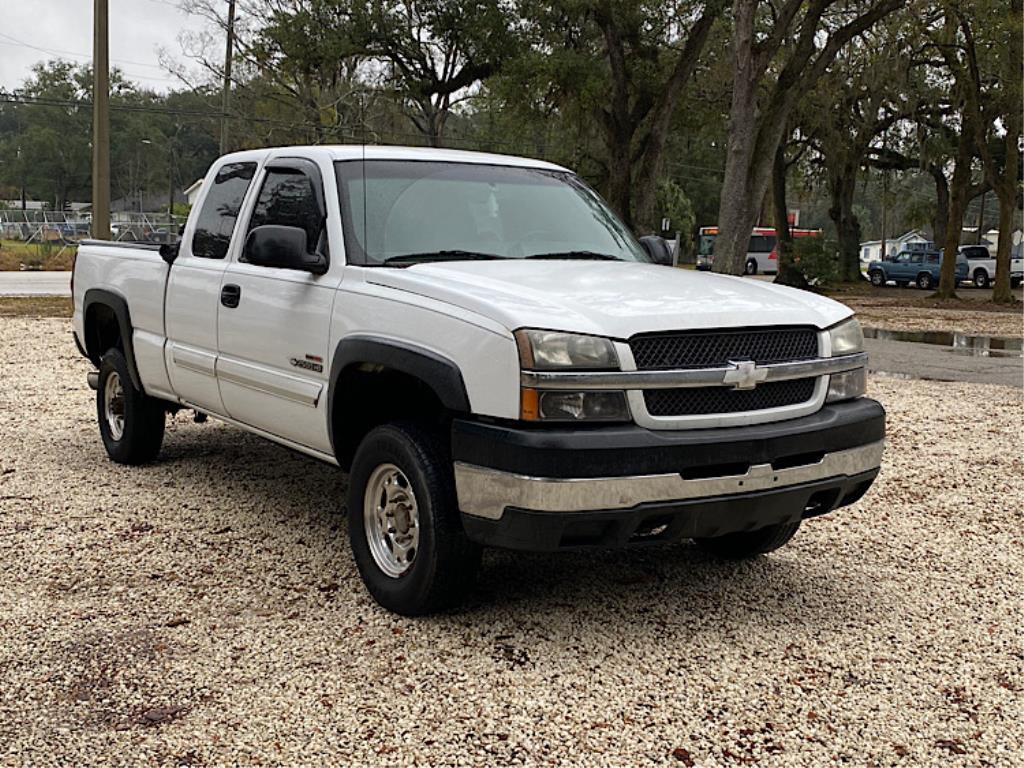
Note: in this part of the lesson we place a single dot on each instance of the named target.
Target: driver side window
(287, 198)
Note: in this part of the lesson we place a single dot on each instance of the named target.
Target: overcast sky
(36, 30)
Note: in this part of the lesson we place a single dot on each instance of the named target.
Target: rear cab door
(193, 285)
(274, 333)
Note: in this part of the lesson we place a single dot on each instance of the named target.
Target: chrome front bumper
(486, 493)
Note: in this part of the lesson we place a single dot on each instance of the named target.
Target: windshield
(415, 211)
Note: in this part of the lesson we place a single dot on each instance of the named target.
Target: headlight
(846, 386)
(553, 350)
(847, 338)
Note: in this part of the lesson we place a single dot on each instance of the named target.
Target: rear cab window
(216, 220)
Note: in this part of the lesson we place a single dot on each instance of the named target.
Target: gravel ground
(887, 314)
(204, 610)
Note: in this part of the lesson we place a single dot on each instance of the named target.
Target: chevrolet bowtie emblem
(744, 374)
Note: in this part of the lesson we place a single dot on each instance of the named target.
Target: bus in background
(761, 254)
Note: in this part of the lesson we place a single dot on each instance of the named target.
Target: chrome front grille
(707, 400)
(717, 348)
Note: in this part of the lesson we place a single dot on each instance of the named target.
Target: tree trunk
(941, 203)
(735, 214)
(620, 181)
(958, 194)
(1001, 293)
(789, 273)
(843, 186)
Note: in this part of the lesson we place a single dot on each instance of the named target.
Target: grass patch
(16, 255)
(35, 306)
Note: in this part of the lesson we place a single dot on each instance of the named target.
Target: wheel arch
(423, 380)
(107, 320)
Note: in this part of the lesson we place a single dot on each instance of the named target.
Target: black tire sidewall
(983, 283)
(143, 419)
(414, 592)
(877, 279)
(924, 281)
(751, 267)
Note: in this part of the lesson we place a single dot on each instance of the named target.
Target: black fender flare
(436, 371)
(119, 306)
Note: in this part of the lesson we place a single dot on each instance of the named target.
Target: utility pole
(100, 121)
(885, 191)
(226, 95)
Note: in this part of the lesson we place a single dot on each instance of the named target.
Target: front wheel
(751, 268)
(877, 278)
(924, 281)
(745, 544)
(403, 522)
(131, 422)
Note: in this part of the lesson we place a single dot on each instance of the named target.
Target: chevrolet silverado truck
(488, 352)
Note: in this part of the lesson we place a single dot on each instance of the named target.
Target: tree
(779, 53)
(993, 68)
(434, 52)
(859, 98)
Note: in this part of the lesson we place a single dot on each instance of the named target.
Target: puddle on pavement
(959, 343)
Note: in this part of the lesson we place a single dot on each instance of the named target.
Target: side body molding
(439, 373)
(119, 306)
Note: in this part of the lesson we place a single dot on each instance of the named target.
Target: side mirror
(273, 245)
(658, 250)
(169, 252)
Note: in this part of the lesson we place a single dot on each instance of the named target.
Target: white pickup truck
(488, 352)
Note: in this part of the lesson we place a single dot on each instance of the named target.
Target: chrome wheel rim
(113, 405)
(391, 520)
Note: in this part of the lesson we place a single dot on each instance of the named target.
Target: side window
(902, 258)
(917, 258)
(220, 210)
(933, 258)
(288, 199)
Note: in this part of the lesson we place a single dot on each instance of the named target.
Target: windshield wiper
(593, 255)
(407, 259)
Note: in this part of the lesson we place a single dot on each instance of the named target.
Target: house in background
(192, 191)
(872, 249)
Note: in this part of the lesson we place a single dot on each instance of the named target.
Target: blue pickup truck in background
(918, 267)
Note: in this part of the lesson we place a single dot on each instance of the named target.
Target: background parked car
(981, 266)
(918, 267)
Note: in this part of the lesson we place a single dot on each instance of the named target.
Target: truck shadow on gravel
(276, 491)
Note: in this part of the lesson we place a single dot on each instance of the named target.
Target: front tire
(403, 521)
(877, 278)
(751, 267)
(746, 544)
(131, 422)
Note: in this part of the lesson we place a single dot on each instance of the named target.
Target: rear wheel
(403, 522)
(877, 278)
(739, 546)
(751, 268)
(924, 281)
(131, 422)
(980, 278)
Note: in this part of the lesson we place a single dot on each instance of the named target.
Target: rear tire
(131, 422)
(877, 278)
(403, 522)
(980, 278)
(924, 281)
(751, 267)
(745, 544)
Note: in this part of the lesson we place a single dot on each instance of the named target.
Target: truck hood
(616, 299)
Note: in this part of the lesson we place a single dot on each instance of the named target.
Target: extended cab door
(274, 325)
(193, 288)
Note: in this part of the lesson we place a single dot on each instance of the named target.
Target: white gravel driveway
(205, 610)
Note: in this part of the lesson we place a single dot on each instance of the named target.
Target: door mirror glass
(282, 247)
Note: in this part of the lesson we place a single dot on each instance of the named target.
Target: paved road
(929, 361)
(967, 292)
(35, 283)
